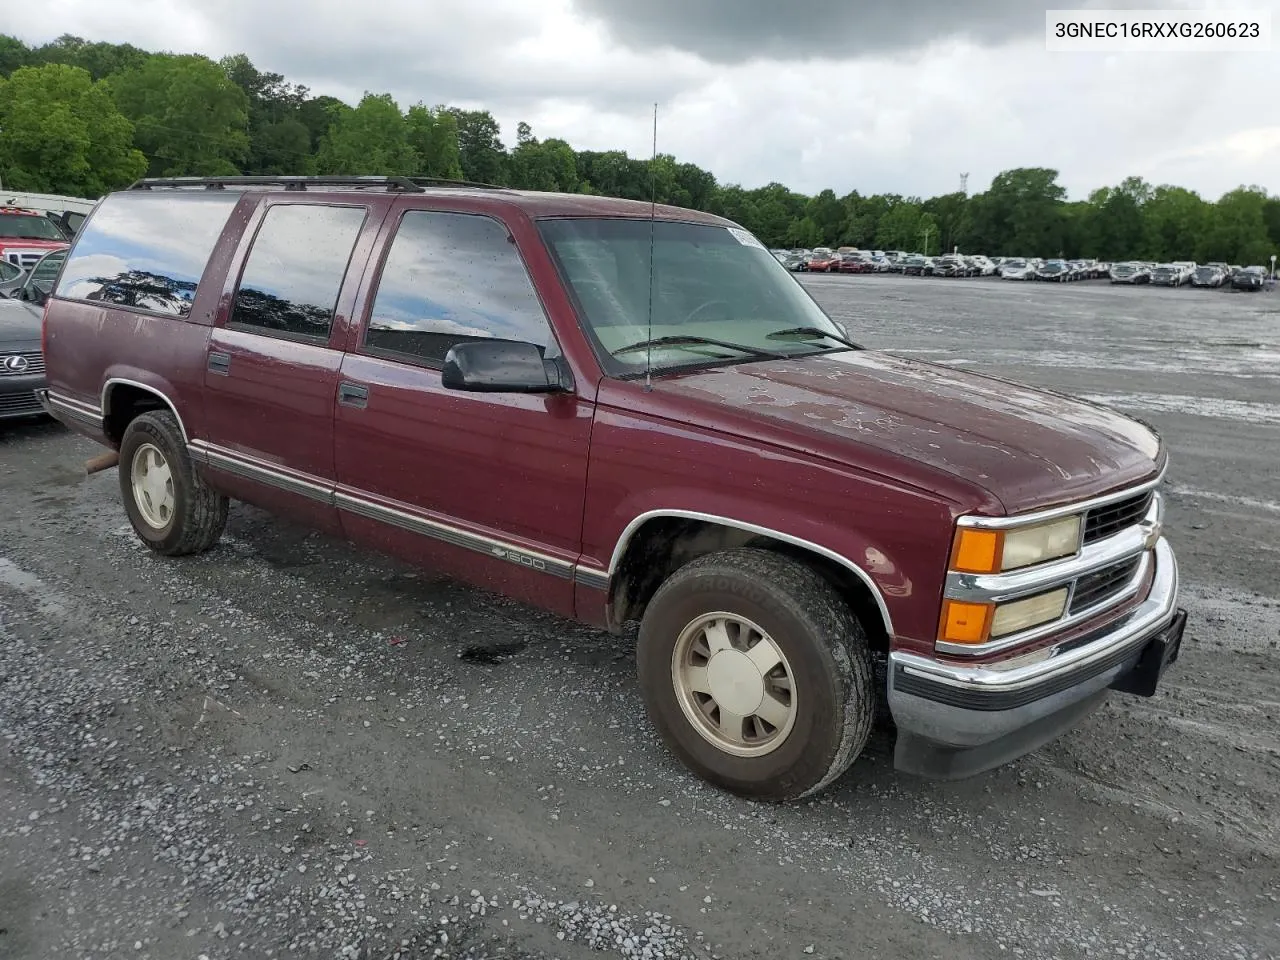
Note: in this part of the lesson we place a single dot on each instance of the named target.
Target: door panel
(270, 374)
(487, 487)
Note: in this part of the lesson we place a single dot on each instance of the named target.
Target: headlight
(995, 551)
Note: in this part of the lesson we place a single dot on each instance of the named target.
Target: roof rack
(444, 182)
(390, 184)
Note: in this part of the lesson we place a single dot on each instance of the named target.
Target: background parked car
(12, 277)
(1017, 269)
(1054, 270)
(26, 236)
(1131, 273)
(66, 213)
(1208, 276)
(1167, 275)
(823, 260)
(21, 357)
(1252, 279)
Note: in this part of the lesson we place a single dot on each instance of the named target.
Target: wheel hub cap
(736, 683)
(152, 482)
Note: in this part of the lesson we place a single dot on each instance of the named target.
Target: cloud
(731, 31)
(880, 97)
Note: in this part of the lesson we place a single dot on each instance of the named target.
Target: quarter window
(147, 251)
(452, 278)
(291, 280)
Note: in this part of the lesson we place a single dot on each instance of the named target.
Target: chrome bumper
(955, 720)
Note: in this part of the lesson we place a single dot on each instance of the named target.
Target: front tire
(756, 674)
(173, 511)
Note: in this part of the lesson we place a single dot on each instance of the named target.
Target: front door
(486, 487)
(271, 374)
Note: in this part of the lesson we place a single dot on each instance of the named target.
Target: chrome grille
(35, 364)
(19, 404)
(1105, 521)
(1100, 586)
(26, 259)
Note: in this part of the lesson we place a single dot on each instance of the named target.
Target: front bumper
(956, 720)
(19, 396)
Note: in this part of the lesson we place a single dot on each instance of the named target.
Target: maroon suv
(627, 415)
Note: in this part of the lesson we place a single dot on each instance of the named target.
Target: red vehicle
(824, 261)
(26, 236)
(624, 415)
(855, 263)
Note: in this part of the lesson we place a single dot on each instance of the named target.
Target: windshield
(25, 226)
(1053, 267)
(707, 281)
(1124, 268)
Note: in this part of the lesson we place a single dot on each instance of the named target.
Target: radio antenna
(653, 216)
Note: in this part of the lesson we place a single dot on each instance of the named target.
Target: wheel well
(664, 544)
(122, 404)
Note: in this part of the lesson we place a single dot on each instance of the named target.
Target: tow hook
(104, 461)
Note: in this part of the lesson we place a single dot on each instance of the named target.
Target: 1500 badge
(523, 559)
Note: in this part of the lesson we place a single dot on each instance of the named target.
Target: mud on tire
(198, 514)
(820, 643)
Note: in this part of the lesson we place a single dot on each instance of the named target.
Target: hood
(18, 323)
(1028, 448)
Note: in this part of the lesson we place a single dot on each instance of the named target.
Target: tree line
(83, 118)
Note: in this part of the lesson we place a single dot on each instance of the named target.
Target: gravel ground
(288, 747)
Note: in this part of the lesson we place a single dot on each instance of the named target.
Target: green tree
(1020, 214)
(371, 139)
(100, 59)
(60, 132)
(317, 114)
(279, 142)
(804, 233)
(1236, 231)
(549, 165)
(189, 118)
(480, 149)
(1271, 217)
(433, 135)
(827, 213)
(951, 212)
(13, 54)
(1174, 221)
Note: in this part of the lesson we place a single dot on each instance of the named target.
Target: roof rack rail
(445, 182)
(390, 184)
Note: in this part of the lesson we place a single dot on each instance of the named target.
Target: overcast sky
(871, 95)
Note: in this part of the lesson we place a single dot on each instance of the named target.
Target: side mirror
(502, 366)
(844, 331)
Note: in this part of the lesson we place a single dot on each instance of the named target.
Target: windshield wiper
(814, 332)
(680, 339)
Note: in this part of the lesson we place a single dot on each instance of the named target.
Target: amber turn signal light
(977, 551)
(965, 622)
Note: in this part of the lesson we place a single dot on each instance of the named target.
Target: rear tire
(786, 731)
(173, 511)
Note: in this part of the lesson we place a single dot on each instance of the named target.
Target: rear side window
(289, 287)
(146, 251)
(452, 278)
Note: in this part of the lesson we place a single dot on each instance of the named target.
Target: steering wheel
(693, 314)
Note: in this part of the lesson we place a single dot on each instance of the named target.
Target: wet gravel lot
(288, 747)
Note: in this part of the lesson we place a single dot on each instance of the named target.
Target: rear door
(271, 371)
(486, 487)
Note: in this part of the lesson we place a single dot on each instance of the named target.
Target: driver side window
(452, 278)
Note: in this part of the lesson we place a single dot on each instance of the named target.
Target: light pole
(926, 232)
